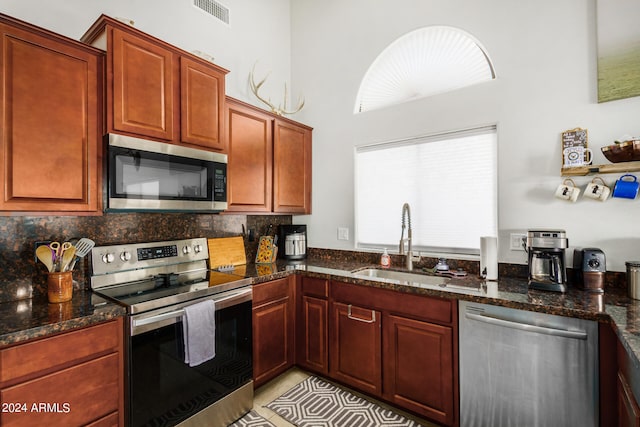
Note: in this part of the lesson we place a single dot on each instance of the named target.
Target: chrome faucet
(406, 212)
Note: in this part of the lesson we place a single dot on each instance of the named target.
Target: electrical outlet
(517, 241)
(343, 233)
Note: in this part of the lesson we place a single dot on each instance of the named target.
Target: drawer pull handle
(350, 316)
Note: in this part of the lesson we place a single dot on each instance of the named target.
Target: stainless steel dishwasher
(522, 368)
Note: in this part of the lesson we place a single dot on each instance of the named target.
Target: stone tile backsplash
(22, 277)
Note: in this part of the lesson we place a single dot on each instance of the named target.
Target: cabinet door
(273, 330)
(291, 168)
(49, 142)
(419, 367)
(71, 397)
(201, 105)
(250, 167)
(355, 348)
(628, 410)
(312, 343)
(143, 84)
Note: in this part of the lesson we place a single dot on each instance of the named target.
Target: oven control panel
(115, 258)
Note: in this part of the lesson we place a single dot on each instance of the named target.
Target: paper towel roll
(489, 257)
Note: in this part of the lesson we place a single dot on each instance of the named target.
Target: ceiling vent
(213, 8)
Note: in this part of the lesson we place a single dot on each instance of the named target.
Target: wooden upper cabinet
(50, 95)
(143, 80)
(291, 168)
(158, 91)
(269, 161)
(201, 103)
(250, 168)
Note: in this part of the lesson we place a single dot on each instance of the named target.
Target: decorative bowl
(627, 151)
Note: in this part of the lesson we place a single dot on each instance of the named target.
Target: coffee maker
(547, 268)
(292, 242)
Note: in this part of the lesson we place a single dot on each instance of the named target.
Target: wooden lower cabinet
(396, 346)
(273, 329)
(356, 347)
(72, 379)
(312, 323)
(628, 410)
(418, 367)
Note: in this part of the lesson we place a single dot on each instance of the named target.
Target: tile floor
(278, 386)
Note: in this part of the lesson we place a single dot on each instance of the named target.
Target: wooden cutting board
(226, 251)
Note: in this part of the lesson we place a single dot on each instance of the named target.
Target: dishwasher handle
(580, 335)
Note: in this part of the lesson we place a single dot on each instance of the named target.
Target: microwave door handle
(221, 303)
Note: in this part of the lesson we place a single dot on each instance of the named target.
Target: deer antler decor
(279, 110)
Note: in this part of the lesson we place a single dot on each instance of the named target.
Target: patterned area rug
(316, 403)
(252, 419)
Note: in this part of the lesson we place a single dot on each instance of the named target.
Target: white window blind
(449, 181)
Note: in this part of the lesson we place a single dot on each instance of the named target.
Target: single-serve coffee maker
(292, 242)
(547, 267)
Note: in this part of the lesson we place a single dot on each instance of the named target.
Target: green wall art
(618, 49)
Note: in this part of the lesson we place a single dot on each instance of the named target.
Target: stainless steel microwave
(145, 175)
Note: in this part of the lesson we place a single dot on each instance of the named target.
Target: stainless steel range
(159, 282)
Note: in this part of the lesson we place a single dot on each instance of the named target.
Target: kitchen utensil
(83, 247)
(67, 256)
(626, 187)
(59, 286)
(55, 248)
(226, 251)
(43, 253)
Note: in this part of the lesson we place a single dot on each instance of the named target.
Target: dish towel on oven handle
(199, 326)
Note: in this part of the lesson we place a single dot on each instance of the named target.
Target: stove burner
(146, 276)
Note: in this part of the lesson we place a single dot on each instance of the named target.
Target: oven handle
(221, 303)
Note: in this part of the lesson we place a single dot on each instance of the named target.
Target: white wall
(258, 31)
(544, 53)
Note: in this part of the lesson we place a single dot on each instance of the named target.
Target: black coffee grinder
(547, 266)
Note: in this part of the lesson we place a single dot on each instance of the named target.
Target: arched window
(421, 63)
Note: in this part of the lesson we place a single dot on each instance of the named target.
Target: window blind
(449, 181)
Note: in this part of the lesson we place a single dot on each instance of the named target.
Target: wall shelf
(595, 169)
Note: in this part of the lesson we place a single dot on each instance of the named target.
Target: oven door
(165, 391)
(150, 175)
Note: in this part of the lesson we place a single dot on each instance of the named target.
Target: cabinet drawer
(437, 310)
(111, 420)
(315, 287)
(270, 291)
(71, 397)
(58, 351)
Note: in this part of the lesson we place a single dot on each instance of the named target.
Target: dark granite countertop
(614, 306)
(33, 318)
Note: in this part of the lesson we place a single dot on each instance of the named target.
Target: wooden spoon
(44, 255)
(67, 257)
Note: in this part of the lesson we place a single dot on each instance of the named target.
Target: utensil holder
(60, 286)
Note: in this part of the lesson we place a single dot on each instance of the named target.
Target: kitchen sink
(420, 280)
(401, 276)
